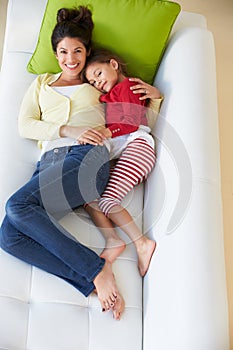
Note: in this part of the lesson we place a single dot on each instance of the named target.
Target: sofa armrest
(185, 299)
(189, 19)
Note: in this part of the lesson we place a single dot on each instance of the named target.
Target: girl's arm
(125, 112)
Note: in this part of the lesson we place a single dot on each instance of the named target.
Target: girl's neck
(121, 77)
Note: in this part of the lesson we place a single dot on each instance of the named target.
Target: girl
(129, 140)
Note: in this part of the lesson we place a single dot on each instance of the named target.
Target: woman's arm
(32, 126)
(153, 94)
(148, 91)
(29, 122)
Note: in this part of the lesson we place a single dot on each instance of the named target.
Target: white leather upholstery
(183, 310)
(181, 304)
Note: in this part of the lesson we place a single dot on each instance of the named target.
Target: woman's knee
(15, 206)
(9, 236)
(12, 207)
(21, 201)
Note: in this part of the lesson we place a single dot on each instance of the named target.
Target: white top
(66, 90)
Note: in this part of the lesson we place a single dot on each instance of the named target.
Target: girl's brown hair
(102, 55)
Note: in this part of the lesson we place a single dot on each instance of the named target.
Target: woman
(56, 111)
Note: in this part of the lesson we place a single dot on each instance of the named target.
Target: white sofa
(181, 304)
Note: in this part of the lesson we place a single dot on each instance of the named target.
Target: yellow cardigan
(43, 111)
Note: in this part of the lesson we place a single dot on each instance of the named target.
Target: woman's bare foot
(106, 287)
(114, 247)
(118, 307)
(145, 252)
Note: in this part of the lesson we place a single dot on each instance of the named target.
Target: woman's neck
(67, 81)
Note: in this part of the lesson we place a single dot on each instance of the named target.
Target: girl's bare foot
(114, 247)
(106, 287)
(145, 253)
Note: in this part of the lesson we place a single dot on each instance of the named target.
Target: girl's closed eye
(98, 74)
(91, 82)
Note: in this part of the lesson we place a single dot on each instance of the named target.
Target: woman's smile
(72, 66)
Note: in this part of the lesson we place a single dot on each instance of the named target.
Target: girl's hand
(147, 90)
(92, 137)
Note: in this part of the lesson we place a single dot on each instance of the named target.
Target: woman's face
(71, 55)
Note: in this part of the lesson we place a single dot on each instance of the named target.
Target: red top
(124, 111)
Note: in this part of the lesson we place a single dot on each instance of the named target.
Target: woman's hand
(95, 137)
(92, 137)
(106, 133)
(82, 134)
(147, 90)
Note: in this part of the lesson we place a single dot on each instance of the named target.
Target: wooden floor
(219, 16)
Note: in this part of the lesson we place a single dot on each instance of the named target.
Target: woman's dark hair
(73, 23)
(102, 55)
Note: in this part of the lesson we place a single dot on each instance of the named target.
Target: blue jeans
(65, 178)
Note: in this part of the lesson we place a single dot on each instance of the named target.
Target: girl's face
(71, 55)
(103, 76)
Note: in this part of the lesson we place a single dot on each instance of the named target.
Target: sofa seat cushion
(36, 304)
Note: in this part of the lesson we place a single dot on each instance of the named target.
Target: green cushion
(137, 30)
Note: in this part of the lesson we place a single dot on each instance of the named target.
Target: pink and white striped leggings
(132, 168)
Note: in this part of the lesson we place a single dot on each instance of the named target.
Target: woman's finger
(136, 80)
(96, 132)
(141, 88)
(136, 88)
(92, 137)
(146, 90)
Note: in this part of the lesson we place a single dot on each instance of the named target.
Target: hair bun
(81, 15)
(62, 15)
(73, 22)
